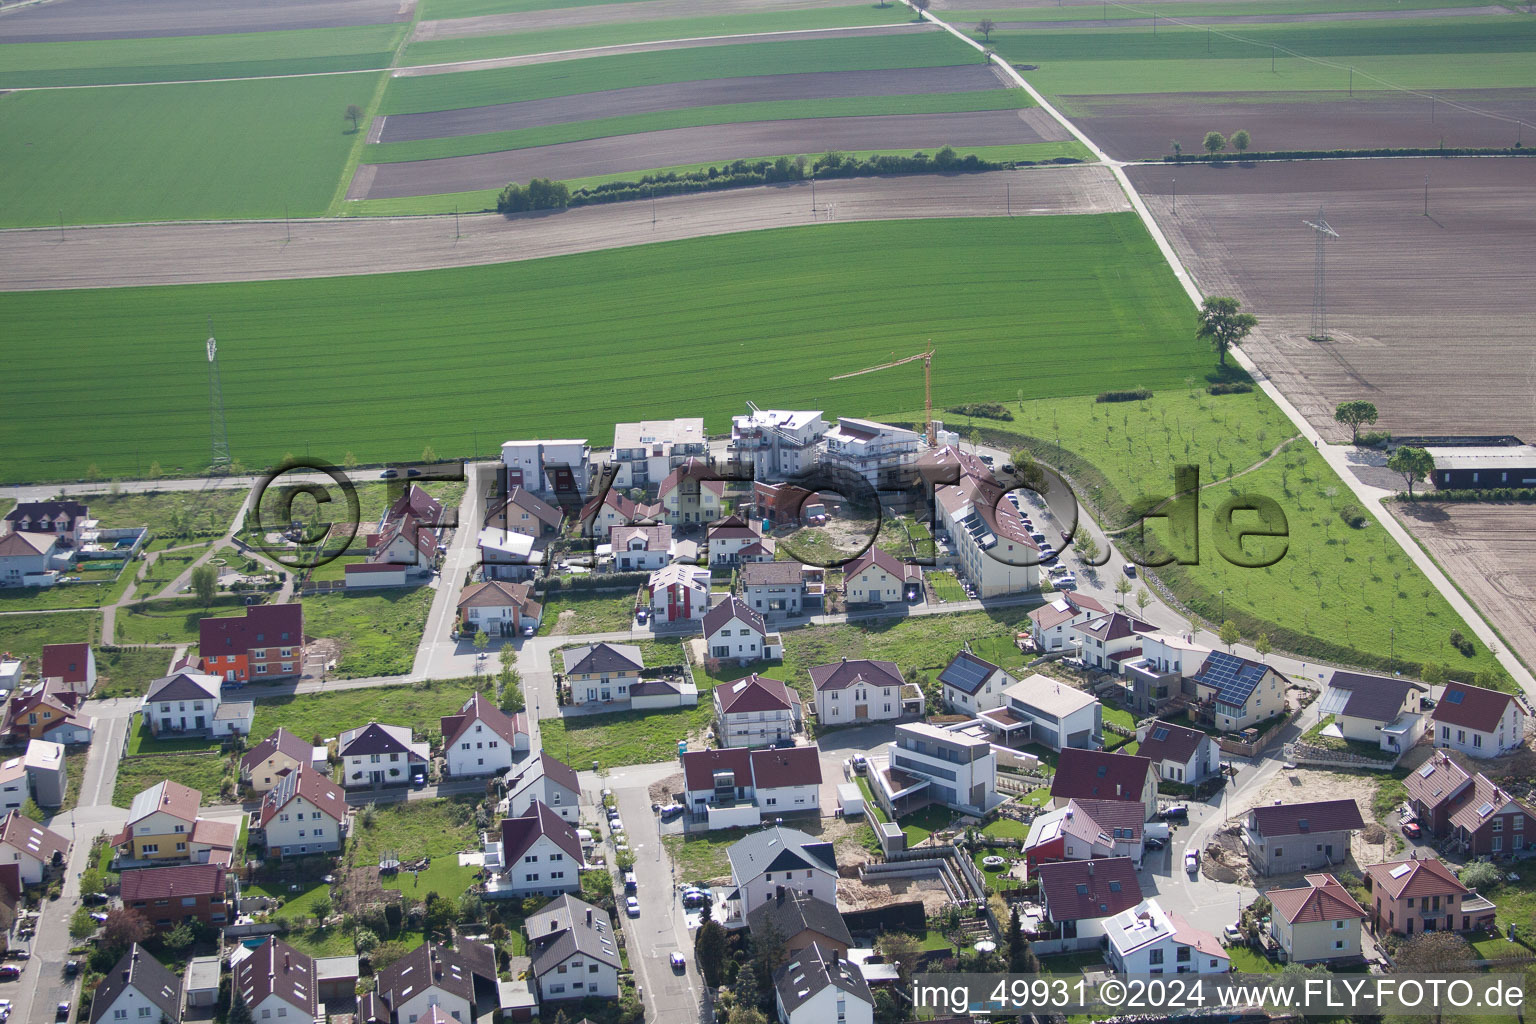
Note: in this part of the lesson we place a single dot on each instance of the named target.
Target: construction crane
(927, 358)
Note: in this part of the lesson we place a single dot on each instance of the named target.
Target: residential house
(30, 846)
(817, 985)
(1380, 710)
(691, 493)
(277, 982)
(165, 897)
(1281, 838)
(267, 642)
(268, 761)
(731, 787)
(546, 781)
(548, 467)
(1146, 939)
(1235, 693)
(606, 511)
(573, 950)
(885, 456)
(798, 919)
(679, 593)
(996, 550)
(537, 854)
(481, 739)
(523, 512)
(928, 765)
(733, 630)
(645, 452)
(777, 443)
(1422, 894)
(1085, 830)
(1178, 754)
(875, 577)
(14, 790)
(498, 608)
(65, 521)
(1103, 775)
(1052, 624)
(1108, 640)
(601, 672)
(786, 506)
(304, 813)
(192, 702)
(46, 774)
(733, 540)
(380, 755)
(669, 690)
(410, 532)
(48, 710)
(1478, 722)
(1156, 678)
(776, 589)
(26, 558)
(973, 684)
(1488, 822)
(1316, 922)
(1053, 714)
(160, 824)
(641, 548)
(74, 665)
(454, 983)
(756, 711)
(763, 861)
(516, 534)
(859, 691)
(1078, 897)
(137, 988)
(1435, 789)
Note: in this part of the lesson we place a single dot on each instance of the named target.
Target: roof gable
(1274, 820)
(520, 833)
(1077, 890)
(839, 675)
(1168, 742)
(755, 693)
(1099, 774)
(732, 608)
(1472, 707)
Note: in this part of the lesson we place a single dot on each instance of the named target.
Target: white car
(5, 1009)
(632, 906)
(1192, 862)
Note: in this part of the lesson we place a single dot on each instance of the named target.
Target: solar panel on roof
(1235, 677)
(1401, 870)
(1428, 770)
(1454, 697)
(1160, 733)
(1485, 810)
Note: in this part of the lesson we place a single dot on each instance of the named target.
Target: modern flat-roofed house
(763, 861)
(799, 919)
(876, 577)
(267, 642)
(928, 765)
(645, 452)
(641, 548)
(166, 897)
(731, 787)
(1235, 693)
(601, 672)
(679, 593)
(1051, 625)
(1078, 897)
(1316, 922)
(974, 684)
(1085, 830)
(498, 608)
(547, 467)
(44, 764)
(379, 755)
(1478, 722)
(816, 983)
(574, 952)
(1147, 939)
(756, 711)
(691, 493)
(13, 785)
(481, 739)
(733, 630)
(1472, 467)
(775, 589)
(1104, 775)
(1057, 714)
(858, 691)
(883, 455)
(192, 702)
(1281, 838)
(1156, 677)
(1177, 753)
(1422, 894)
(777, 443)
(1380, 710)
(138, 988)
(74, 665)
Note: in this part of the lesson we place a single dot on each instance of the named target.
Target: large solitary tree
(1413, 463)
(1223, 324)
(986, 26)
(354, 114)
(1353, 415)
(205, 584)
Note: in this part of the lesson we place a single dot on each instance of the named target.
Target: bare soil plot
(1246, 19)
(637, 152)
(602, 14)
(1130, 127)
(1490, 551)
(191, 253)
(1429, 315)
(71, 20)
(680, 95)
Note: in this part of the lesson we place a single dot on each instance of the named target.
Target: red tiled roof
(518, 834)
(1477, 709)
(312, 786)
(1322, 899)
(66, 661)
(367, 567)
(839, 675)
(1271, 820)
(1178, 743)
(276, 968)
(262, 625)
(760, 769)
(1426, 876)
(1090, 818)
(495, 594)
(755, 693)
(181, 880)
(1436, 780)
(1099, 775)
(879, 559)
(1483, 793)
(214, 834)
(699, 766)
(1114, 626)
(1076, 890)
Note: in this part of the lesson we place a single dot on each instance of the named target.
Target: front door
(199, 722)
(165, 724)
(861, 711)
(1328, 852)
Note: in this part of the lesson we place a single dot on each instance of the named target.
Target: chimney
(287, 964)
(779, 894)
(845, 659)
(1090, 869)
(589, 917)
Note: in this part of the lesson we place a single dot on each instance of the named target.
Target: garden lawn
(443, 51)
(238, 149)
(185, 58)
(142, 741)
(327, 715)
(924, 823)
(70, 595)
(1006, 828)
(946, 587)
(379, 632)
(702, 857)
(576, 612)
(436, 828)
(173, 621)
(625, 737)
(1246, 961)
(203, 772)
(24, 636)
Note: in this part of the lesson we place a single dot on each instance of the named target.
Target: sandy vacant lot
(645, 99)
(603, 14)
(727, 142)
(1489, 550)
(1414, 301)
(1138, 127)
(153, 254)
(67, 20)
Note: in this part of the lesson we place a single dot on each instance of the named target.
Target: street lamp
(1223, 594)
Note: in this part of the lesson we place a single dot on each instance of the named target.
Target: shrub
(1124, 396)
(1375, 438)
(1479, 875)
(1352, 514)
(1230, 387)
(541, 194)
(985, 410)
(1461, 643)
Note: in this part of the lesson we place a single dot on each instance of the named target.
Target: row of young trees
(1215, 143)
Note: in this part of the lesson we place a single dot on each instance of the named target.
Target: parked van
(585, 835)
(630, 885)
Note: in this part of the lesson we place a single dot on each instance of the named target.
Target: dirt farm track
(1430, 315)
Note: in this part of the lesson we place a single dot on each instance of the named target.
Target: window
(1498, 824)
(1155, 957)
(1279, 852)
(1338, 943)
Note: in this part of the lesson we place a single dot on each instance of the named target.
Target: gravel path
(155, 254)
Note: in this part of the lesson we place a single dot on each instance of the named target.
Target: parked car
(98, 917)
(1007, 467)
(1411, 830)
(1130, 569)
(63, 1010)
(860, 764)
(1192, 862)
(5, 1009)
(694, 897)
(71, 968)
(642, 614)
(987, 460)
(1230, 935)
(419, 776)
(1037, 537)
(630, 884)
(670, 811)
(1174, 812)
(92, 899)
(632, 907)
(1153, 843)
(9, 972)
(389, 474)
(17, 954)
(678, 963)
(413, 472)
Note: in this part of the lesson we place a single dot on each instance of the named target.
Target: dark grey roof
(967, 673)
(374, 738)
(813, 969)
(560, 931)
(602, 657)
(142, 971)
(792, 911)
(434, 965)
(779, 849)
(732, 607)
(1235, 678)
(1377, 698)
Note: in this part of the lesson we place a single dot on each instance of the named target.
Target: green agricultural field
(434, 9)
(203, 772)
(731, 113)
(1103, 312)
(24, 636)
(444, 51)
(188, 58)
(415, 94)
(241, 149)
(1119, 11)
(330, 714)
(379, 631)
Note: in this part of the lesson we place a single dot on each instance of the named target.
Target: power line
(1324, 231)
(217, 428)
